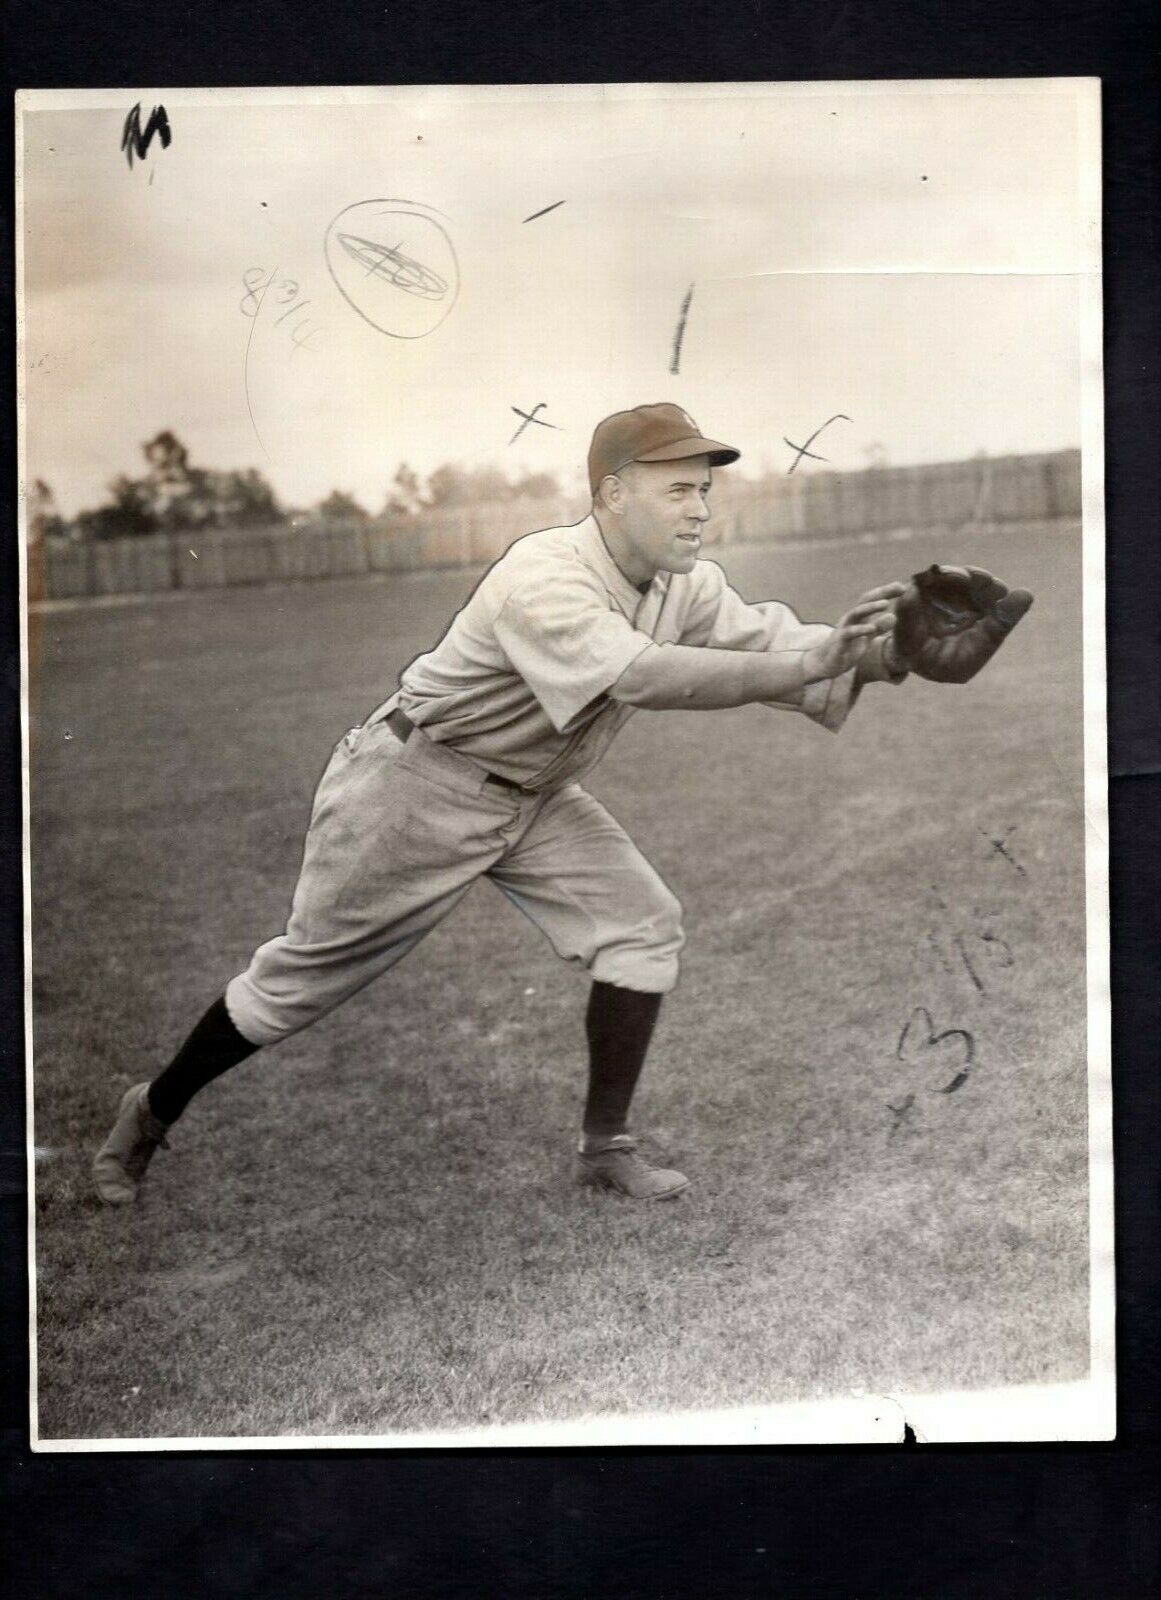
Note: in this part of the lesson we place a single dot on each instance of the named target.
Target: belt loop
(400, 724)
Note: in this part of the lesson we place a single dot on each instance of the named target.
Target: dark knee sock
(619, 1025)
(212, 1048)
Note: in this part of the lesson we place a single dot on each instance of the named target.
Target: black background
(924, 1521)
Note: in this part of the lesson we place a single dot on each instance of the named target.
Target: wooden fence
(814, 505)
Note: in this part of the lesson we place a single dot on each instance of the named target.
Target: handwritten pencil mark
(956, 1083)
(994, 943)
(913, 1048)
(899, 1113)
(304, 342)
(675, 364)
(298, 305)
(958, 941)
(253, 315)
(804, 449)
(386, 262)
(530, 416)
(998, 950)
(545, 212)
(136, 140)
(394, 264)
(937, 951)
(252, 279)
(1000, 846)
(287, 294)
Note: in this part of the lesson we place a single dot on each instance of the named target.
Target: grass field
(372, 1228)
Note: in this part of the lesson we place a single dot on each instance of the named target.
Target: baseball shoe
(619, 1165)
(119, 1165)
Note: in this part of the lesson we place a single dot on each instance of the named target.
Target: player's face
(663, 511)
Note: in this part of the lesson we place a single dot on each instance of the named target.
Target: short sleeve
(567, 642)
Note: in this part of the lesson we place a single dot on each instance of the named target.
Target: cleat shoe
(619, 1165)
(119, 1165)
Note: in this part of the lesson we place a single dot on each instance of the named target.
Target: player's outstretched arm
(673, 677)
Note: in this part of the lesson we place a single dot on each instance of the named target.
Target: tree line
(175, 496)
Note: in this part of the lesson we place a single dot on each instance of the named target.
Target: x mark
(530, 416)
(804, 449)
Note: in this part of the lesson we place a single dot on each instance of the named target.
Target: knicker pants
(398, 834)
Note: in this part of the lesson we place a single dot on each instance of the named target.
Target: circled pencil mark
(394, 264)
(804, 449)
(388, 263)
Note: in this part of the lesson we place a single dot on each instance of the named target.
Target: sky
(909, 255)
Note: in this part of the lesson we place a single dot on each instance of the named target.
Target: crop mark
(530, 416)
(545, 212)
(804, 449)
(675, 364)
(389, 264)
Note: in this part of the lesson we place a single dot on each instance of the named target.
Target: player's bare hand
(871, 615)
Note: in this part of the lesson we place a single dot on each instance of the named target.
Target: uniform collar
(595, 552)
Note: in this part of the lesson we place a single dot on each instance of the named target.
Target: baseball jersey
(520, 681)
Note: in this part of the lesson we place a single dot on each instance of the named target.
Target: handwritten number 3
(911, 1041)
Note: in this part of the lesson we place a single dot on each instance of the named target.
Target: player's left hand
(848, 641)
(950, 621)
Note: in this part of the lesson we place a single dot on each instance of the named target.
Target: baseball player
(472, 769)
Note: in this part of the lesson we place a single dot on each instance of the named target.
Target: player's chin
(686, 550)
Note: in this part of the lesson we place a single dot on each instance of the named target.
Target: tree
(44, 520)
(340, 507)
(189, 498)
(243, 499)
(168, 458)
(176, 497)
(129, 514)
(536, 486)
(405, 496)
(452, 485)
(448, 486)
(239, 499)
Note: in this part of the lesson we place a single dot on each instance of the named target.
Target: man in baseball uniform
(472, 768)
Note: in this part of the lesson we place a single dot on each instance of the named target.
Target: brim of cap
(720, 455)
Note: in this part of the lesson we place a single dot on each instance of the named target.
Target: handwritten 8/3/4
(284, 293)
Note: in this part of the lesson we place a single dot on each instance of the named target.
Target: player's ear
(611, 491)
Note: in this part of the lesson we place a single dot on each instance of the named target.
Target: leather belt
(402, 727)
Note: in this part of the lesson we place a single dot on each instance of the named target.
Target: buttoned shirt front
(519, 682)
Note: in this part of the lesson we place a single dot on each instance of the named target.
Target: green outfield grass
(373, 1228)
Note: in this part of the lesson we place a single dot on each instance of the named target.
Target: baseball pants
(398, 834)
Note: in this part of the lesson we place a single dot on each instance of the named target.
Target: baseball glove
(950, 621)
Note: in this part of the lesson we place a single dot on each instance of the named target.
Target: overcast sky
(909, 255)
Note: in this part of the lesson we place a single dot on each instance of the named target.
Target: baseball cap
(650, 433)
